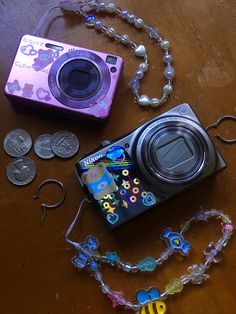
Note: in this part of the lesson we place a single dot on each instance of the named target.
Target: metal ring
(50, 206)
(217, 123)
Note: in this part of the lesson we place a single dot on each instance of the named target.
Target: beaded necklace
(88, 257)
(139, 50)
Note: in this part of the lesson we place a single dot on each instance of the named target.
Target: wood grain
(36, 275)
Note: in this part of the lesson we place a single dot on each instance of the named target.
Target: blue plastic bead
(112, 257)
(148, 264)
(93, 266)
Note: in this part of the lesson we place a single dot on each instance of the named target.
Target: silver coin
(17, 143)
(64, 144)
(21, 171)
(42, 146)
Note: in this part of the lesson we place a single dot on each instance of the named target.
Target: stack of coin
(21, 170)
(18, 142)
(64, 144)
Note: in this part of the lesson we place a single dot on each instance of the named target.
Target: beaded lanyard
(88, 257)
(80, 7)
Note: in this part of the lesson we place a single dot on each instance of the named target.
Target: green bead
(97, 255)
(225, 218)
(174, 286)
(148, 264)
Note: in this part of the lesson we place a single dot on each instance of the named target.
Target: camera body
(158, 160)
(66, 78)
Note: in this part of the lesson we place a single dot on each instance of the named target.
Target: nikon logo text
(91, 160)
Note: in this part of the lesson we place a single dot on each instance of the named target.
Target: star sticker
(111, 210)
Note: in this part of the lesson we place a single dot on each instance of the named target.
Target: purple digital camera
(66, 78)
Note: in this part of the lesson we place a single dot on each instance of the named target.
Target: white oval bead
(143, 66)
(167, 89)
(139, 23)
(165, 44)
(140, 51)
(110, 7)
(144, 100)
(155, 102)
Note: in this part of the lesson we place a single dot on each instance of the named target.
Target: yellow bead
(174, 286)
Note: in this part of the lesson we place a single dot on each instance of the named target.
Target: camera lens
(79, 78)
(171, 152)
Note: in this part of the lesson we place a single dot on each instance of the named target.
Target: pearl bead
(110, 32)
(143, 100)
(167, 58)
(102, 6)
(140, 51)
(143, 66)
(130, 18)
(124, 39)
(139, 74)
(124, 14)
(165, 44)
(169, 72)
(98, 25)
(110, 7)
(155, 102)
(167, 89)
(139, 23)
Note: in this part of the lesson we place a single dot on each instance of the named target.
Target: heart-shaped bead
(140, 51)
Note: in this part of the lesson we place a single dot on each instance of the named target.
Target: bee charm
(150, 302)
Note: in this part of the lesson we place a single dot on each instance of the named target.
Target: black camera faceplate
(181, 155)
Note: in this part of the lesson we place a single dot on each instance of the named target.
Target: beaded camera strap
(81, 7)
(90, 258)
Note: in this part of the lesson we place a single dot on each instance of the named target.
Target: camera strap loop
(216, 125)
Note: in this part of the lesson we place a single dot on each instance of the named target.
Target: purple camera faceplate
(105, 79)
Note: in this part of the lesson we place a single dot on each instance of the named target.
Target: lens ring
(179, 157)
(79, 79)
(61, 97)
(188, 138)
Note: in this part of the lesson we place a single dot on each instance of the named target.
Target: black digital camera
(159, 159)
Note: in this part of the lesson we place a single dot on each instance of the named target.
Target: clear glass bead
(130, 18)
(167, 58)
(127, 267)
(98, 25)
(138, 23)
(124, 14)
(110, 7)
(105, 288)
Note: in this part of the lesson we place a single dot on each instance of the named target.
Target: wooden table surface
(36, 275)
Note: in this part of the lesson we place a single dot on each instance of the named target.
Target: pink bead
(228, 228)
(117, 298)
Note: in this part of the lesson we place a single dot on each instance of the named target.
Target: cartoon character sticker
(116, 154)
(43, 94)
(99, 181)
(176, 241)
(45, 57)
(151, 300)
(81, 260)
(13, 86)
(28, 50)
(27, 90)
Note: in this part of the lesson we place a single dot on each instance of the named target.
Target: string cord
(65, 5)
(71, 227)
